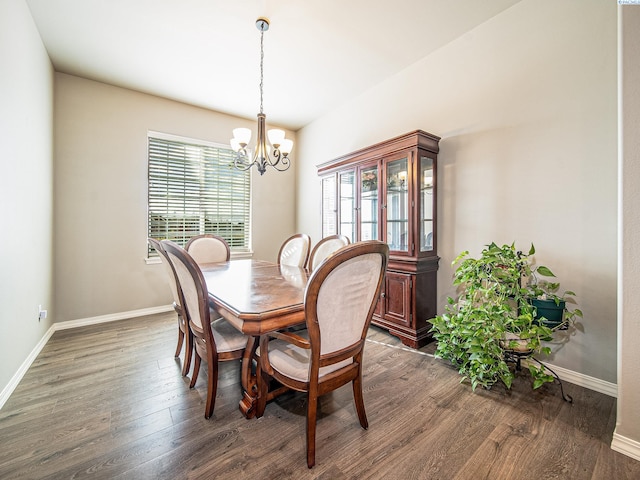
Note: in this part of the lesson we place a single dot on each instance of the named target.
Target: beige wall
(627, 434)
(26, 137)
(526, 108)
(101, 195)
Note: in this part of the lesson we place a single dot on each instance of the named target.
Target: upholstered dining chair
(214, 339)
(339, 302)
(207, 248)
(326, 247)
(295, 250)
(184, 334)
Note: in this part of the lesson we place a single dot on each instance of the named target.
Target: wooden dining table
(256, 297)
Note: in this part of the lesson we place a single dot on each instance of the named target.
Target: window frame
(200, 149)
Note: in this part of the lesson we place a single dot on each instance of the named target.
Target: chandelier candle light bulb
(263, 155)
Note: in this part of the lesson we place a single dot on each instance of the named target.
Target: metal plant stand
(516, 357)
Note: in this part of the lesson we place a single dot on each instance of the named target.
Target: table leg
(248, 378)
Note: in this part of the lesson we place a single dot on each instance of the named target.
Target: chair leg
(359, 400)
(212, 386)
(312, 409)
(196, 370)
(188, 352)
(180, 339)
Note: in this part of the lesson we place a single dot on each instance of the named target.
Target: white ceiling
(318, 53)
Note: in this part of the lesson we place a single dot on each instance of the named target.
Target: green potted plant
(550, 307)
(492, 321)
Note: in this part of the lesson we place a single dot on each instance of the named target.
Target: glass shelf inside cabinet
(369, 203)
(426, 204)
(397, 205)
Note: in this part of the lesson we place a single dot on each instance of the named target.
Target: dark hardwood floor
(108, 401)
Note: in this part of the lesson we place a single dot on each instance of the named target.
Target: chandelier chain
(261, 67)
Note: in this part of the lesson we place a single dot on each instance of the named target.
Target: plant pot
(548, 312)
(519, 347)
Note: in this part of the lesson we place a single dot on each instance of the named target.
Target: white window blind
(194, 189)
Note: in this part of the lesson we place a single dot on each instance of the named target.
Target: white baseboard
(112, 317)
(585, 381)
(626, 446)
(15, 380)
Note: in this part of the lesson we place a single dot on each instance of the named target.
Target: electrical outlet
(41, 313)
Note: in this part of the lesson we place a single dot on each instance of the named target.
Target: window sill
(234, 256)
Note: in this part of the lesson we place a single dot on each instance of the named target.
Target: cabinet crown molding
(419, 138)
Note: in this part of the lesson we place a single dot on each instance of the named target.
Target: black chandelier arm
(241, 161)
(281, 163)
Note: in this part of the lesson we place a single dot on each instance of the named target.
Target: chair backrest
(171, 274)
(208, 248)
(326, 247)
(340, 299)
(193, 288)
(295, 250)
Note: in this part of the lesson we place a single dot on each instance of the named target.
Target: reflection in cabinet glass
(369, 203)
(347, 205)
(426, 204)
(397, 205)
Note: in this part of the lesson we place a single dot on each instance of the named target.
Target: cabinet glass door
(397, 205)
(347, 196)
(426, 204)
(369, 203)
(329, 210)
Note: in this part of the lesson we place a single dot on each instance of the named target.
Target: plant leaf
(542, 270)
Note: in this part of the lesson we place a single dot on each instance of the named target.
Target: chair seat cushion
(293, 361)
(227, 337)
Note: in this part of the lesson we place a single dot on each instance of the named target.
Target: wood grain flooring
(108, 401)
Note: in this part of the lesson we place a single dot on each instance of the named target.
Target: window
(194, 189)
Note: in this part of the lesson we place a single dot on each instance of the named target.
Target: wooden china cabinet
(388, 192)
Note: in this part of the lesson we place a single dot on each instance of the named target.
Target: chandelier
(263, 156)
